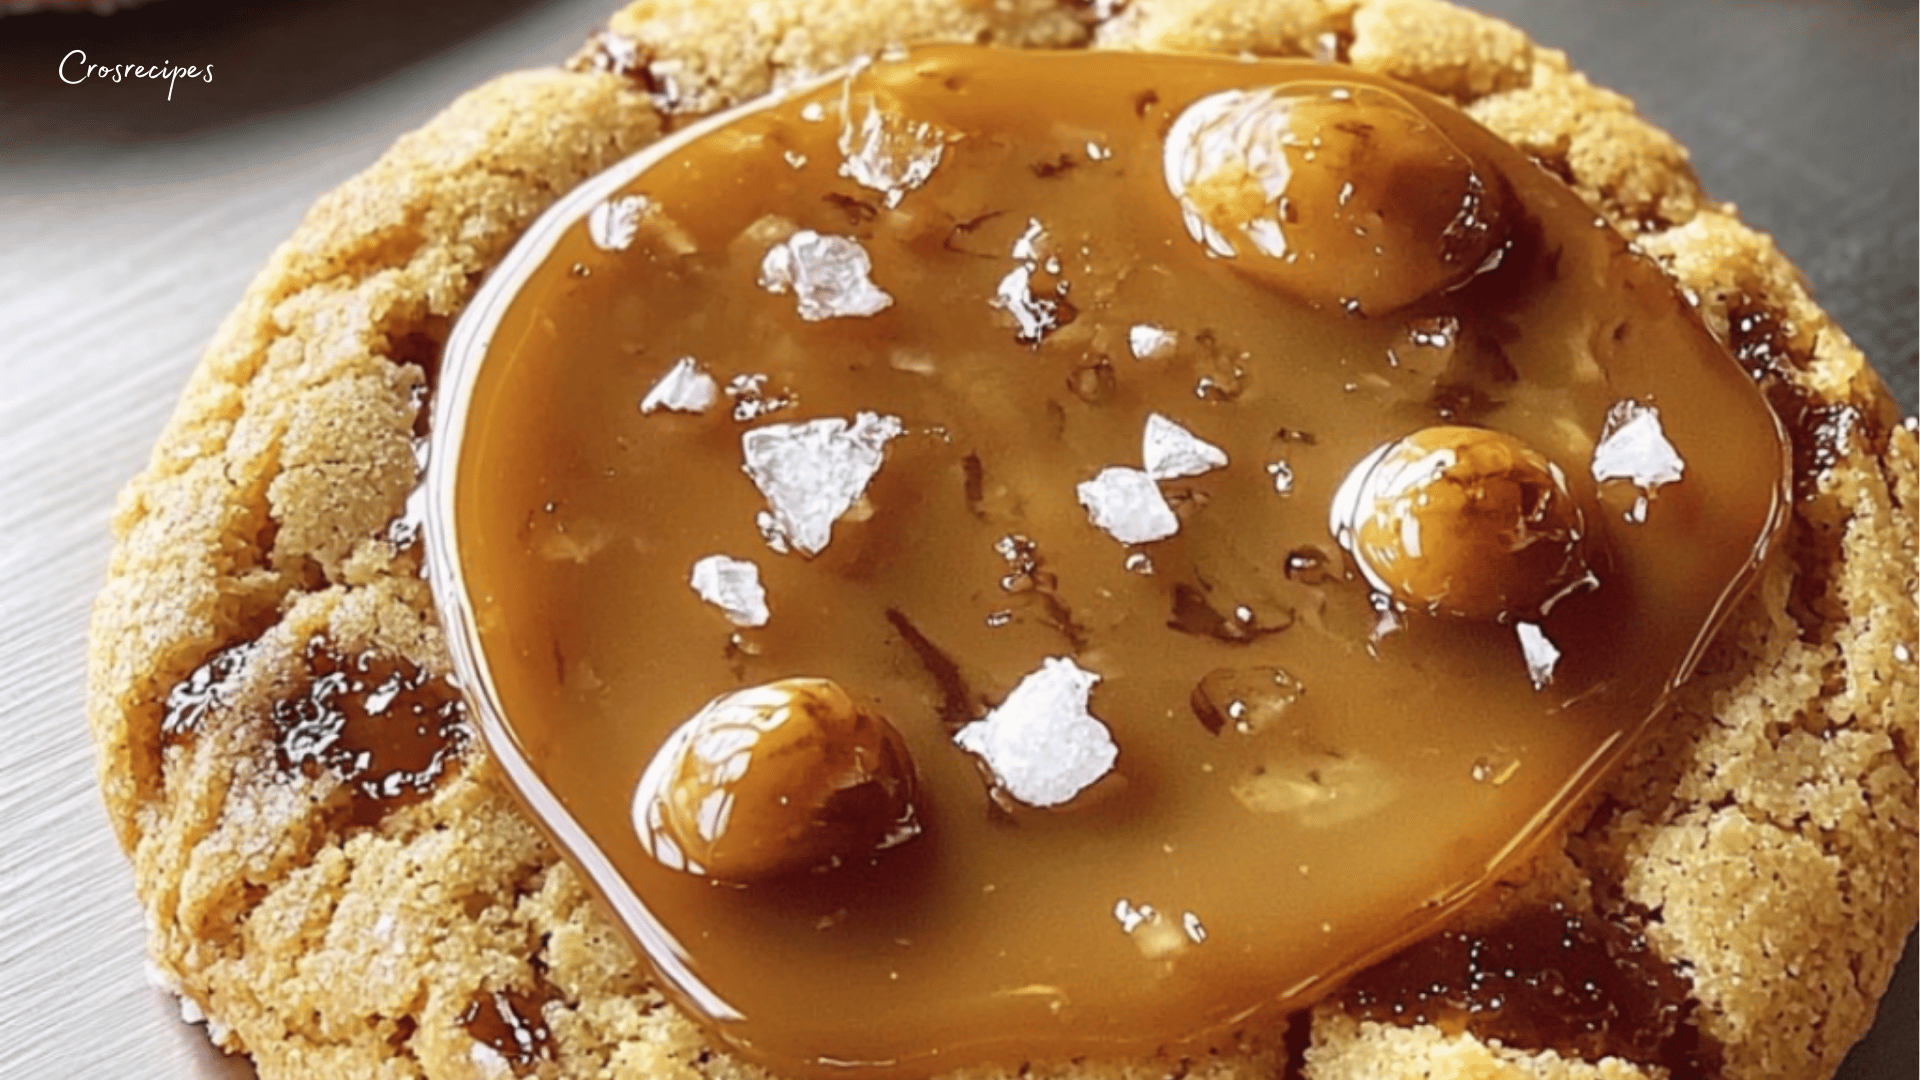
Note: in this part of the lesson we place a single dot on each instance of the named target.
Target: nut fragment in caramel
(1336, 194)
(1462, 521)
(1079, 437)
(790, 776)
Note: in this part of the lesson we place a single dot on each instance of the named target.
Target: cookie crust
(1768, 826)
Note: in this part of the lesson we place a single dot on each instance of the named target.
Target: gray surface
(129, 225)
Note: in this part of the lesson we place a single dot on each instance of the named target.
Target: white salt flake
(613, 224)
(1196, 930)
(1634, 447)
(733, 586)
(829, 276)
(1031, 245)
(1131, 917)
(886, 152)
(684, 388)
(1154, 933)
(1034, 317)
(1042, 745)
(771, 532)
(1149, 342)
(752, 399)
(1128, 505)
(1170, 451)
(1541, 654)
(811, 473)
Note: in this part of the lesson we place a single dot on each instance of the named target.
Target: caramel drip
(1546, 979)
(510, 1023)
(385, 726)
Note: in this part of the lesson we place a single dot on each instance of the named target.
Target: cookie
(338, 901)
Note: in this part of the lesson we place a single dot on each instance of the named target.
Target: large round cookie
(1765, 836)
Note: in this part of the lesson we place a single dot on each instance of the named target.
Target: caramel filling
(1179, 527)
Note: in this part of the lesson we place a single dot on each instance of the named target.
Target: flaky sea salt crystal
(1282, 474)
(1042, 745)
(752, 399)
(1128, 505)
(1170, 451)
(733, 586)
(613, 223)
(887, 152)
(1131, 916)
(1031, 245)
(1541, 654)
(1634, 447)
(684, 388)
(1150, 342)
(829, 276)
(812, 472)
(1034, 317)
(1195, 929)
(771, 532)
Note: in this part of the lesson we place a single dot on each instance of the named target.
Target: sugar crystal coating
(1042, 745)
(812, 472)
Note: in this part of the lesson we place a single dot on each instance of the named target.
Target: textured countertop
(130, 224)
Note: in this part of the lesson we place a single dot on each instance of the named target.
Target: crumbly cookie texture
(1768, 827)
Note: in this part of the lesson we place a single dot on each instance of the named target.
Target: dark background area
(130, 224)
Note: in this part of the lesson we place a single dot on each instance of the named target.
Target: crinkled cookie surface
(1765, 837)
